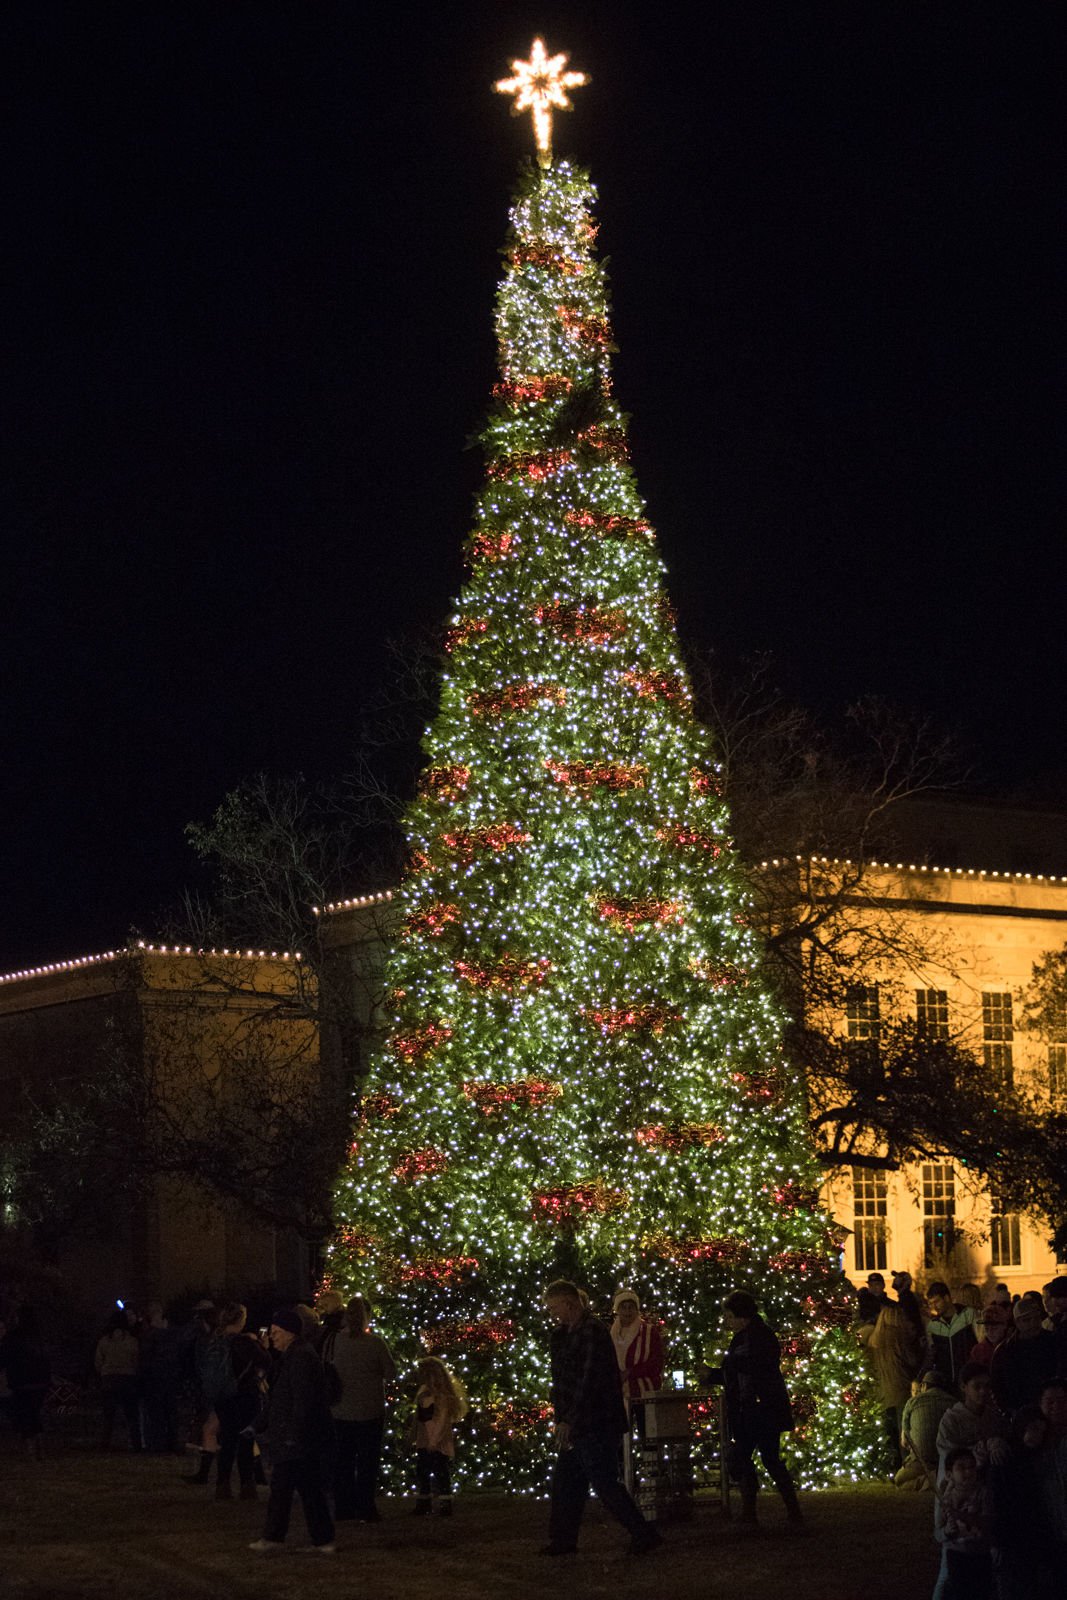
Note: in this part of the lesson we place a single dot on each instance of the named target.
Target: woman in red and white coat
(638, 1347)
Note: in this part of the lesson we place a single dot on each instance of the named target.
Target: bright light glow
(584, 1070)
(539, 86)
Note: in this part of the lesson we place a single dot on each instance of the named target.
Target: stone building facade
(186, 1025)
(983, 931)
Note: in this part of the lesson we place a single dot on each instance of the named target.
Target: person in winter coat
(918, 1432)
(993, 1329)
(298, 1429)
(239, 1403)
(194, 1344)
(117, 1360)
(1054, 1295)
(1023, 1363)
(25, 1364)
(967, 1525)
(973, 1421)
(590, 1420)
(1023, 1535)
(160, 1379)
(952, 1332)
(364, 1366)
(975, 1424)
(757, 1404)
(898, 1357)
(638, 1347)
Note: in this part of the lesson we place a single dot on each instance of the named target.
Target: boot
(248, 1491)
(223, 1491)
(748, 1505)
(793, 1513)
(203, 1471)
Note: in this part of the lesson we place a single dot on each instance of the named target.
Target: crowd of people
(305, 1397)
(973, 1393)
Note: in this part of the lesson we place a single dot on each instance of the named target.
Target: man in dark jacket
(757, 1405)
(590, 1422)
(952, 1332)
(298, 1427)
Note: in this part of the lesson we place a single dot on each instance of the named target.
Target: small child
(966, 1520)
(440, 1402)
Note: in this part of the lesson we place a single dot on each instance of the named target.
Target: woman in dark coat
(757, 1405)
(23, 1359)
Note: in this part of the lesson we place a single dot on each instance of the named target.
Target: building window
(870, 1186)
(1004, 1238)
(998, 1031)
(939, 1213)
(861, 1011)
(931, 1012)
(863, 1025)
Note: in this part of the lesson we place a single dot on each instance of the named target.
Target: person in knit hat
(638, 1347)
(299, 1431)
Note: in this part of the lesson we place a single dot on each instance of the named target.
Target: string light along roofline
(359, 903)
(362, 902)
(334, 907)
(912, 866)
(540, 86)
(76, 963)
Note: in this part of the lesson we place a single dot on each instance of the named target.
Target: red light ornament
(628, 913)
(515, 697)
(418, 1164)
(608, 775)
(571, 1202)
(529, 1093)
(509, 973)
(466, 844)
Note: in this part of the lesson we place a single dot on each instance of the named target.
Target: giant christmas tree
(583, 1073)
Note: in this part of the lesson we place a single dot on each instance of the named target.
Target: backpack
(214, 1368)
(334, 1387)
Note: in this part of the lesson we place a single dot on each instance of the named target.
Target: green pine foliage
(584, 1073)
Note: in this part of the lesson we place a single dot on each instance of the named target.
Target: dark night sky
(253, 250)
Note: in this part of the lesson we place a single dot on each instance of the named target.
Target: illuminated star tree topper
(539, 86)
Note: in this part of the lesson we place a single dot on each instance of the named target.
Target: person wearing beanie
(299, 1431)
(758, 1408)
(638, 1347)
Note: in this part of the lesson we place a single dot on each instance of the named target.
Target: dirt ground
(84, 1526)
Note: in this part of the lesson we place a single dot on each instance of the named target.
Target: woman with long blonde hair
(440, 1402)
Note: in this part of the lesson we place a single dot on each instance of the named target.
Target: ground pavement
(85, 1526)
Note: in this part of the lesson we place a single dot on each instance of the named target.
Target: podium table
(658, 1461)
